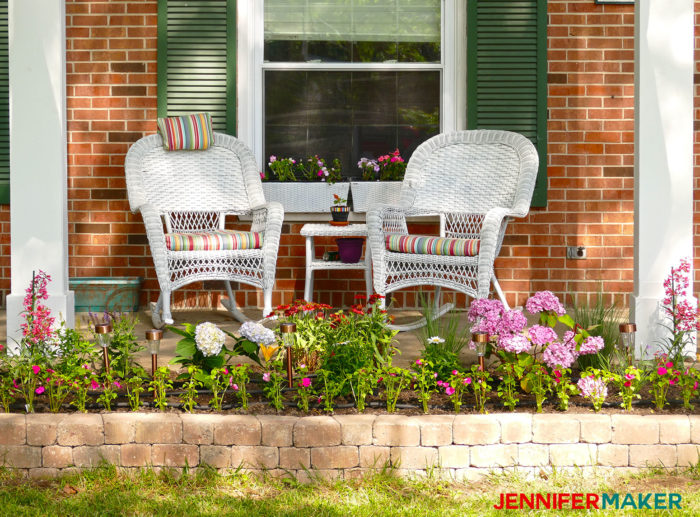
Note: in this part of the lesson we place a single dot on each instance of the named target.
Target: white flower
(256, 333)
(209, 338)
(435, 340)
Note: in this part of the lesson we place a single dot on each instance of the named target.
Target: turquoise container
(103, 293)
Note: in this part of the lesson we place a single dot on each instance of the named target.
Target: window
(348, 78)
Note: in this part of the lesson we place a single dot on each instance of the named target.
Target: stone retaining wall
(345, 446)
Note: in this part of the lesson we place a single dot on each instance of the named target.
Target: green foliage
(443, 340)
(189, 389)
(159, 386)
(362, 383)
(187, 353)
(219, 380)
(424, 381)
(134, 388)
(240, 377)
(394, 380)
(331, 387)
(537, 380)
(272, 385)
(600, 319)
(123, 347)
(480, 385)
(511, 373)
(563, 387)
(109, 392)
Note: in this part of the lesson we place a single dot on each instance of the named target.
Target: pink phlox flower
(266, 376)
(669, 364)
(628, 384)
(419, 362)
(673, 381)
(592, 387)
(557, 373)
(558, 355)
(468, 380)
(661, 370)
(515, 343)
(435, 375)
(36, 369)
(544, 301)
(39, 390)
(591, 345)
(629, 376)
(117, 385)
(235, 387)
(455, 372)
(94, 384)
(273, 158)
(695, 386)
(541, 335)
(305, 382)
(449, 390)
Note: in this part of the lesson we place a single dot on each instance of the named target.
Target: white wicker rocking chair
(476, 181)
(193, 192)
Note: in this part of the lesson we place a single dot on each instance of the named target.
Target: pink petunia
(39, 390)
(449, 390)
(661, 371)
(36, 369)
(305, 382)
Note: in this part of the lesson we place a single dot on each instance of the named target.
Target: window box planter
(368, 193)
(304, 196)
(102, 293)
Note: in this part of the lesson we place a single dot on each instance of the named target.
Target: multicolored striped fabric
(425, 245)
(190, 132)
(212, 241)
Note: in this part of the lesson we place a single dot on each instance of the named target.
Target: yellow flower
(267, 351)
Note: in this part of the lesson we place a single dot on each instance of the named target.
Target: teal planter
(103, 293)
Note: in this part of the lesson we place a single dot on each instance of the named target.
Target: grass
(106, 491)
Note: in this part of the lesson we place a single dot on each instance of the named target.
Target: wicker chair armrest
(268, 218)
(156, 239)
(491, 230)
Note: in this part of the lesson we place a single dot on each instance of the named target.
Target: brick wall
(462, 447)
(111, 67)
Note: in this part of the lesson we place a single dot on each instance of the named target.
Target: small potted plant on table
(340, 210)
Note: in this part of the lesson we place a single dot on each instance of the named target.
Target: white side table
(312, 263)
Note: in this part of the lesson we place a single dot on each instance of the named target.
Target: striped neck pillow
(189, 132)
(424, 245)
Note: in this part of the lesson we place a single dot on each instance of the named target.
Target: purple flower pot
(350, 249)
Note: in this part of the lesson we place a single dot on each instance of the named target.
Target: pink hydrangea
(541, 335)
(558, 355)
(591, 345)
(544, 301)
(486, 315)
(516, 343)
(512, 322)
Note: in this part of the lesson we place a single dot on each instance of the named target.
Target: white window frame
(250, 69)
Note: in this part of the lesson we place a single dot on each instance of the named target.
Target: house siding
(112, 101)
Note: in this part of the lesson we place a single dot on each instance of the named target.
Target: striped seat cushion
(213, 241)
(425, 245)
(189, 132)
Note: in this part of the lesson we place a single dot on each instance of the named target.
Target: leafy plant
(424, 381)
(134, 388)
(159, 386)
(8, 392)
(305, 390)
(511, 373)
(388, 167)
(455, 387)
(57, 388)
(83, 380)
(272, 385)
(240, 377)
(443, 340)
(362, 382)
(688, 382)
(681, 314)
(480, 385)
(629, 383)
(331, 387)
(189, 389)
(600, 319)
(394, 380)
(592, 386)
(219, 383)
(538, 381)
(202, 345)
(109, 392)
(563, 387)
(661, 378)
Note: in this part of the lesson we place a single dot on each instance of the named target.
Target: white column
(38, 184)
(663, 189)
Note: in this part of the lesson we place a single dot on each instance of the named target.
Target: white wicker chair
(193, 191)
(476, 181)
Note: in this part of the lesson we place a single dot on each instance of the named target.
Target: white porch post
(38, 184)
(663, 159)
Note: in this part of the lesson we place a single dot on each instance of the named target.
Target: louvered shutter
(507, 73)
(4, 108)
(197, 58)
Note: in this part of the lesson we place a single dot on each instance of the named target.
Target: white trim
(250, 68)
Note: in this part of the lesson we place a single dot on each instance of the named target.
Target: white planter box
(368, 193)
(303, 196)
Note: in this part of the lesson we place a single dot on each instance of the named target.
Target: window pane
(366, 31)
(349, 115)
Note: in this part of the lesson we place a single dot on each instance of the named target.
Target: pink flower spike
(36, 369)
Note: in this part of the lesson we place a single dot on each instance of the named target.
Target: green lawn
(106, 491)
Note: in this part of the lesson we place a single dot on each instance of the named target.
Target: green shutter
(4, 108)
(197, 59)
(507, 73)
